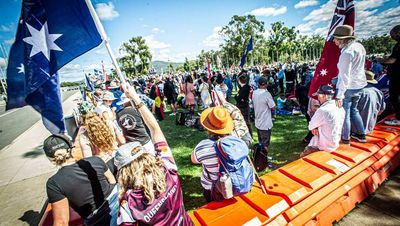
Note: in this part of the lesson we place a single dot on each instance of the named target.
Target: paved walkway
(24, 170)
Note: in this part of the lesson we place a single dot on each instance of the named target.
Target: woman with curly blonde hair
(102, 140)
(150, 190)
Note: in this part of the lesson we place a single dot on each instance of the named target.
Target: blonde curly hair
(144, 173)
(99, 133)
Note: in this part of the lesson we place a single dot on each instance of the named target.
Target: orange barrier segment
(233, 211)
(301, 207)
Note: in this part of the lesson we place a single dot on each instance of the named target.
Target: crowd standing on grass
(127, 174)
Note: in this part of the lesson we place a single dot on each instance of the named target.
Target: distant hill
(158, 65)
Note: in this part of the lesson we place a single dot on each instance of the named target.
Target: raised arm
(148, 118)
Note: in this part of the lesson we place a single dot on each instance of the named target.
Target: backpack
(260, 158)
(232, 154)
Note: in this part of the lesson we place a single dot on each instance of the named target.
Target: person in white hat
(351, 81)
(107, 114)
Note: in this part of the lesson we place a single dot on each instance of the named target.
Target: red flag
(327, 66)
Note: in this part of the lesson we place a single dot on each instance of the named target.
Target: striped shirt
(205, 154)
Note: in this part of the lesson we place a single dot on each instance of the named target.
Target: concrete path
(24, 170)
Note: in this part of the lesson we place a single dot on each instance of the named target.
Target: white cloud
(155, 44)
(9, 41)
(2, 62)
(215, 39)
(269, 11)
(368, 21)
(6, 28)
(106, 11)
(305, 3)
(157, 30)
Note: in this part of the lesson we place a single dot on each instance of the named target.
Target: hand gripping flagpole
(104, 37)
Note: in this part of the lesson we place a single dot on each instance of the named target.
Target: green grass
(286, 146)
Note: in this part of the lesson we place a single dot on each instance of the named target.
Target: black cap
(262, 81)
(56, 142)
(325, 89)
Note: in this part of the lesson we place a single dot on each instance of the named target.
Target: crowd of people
(127, 174)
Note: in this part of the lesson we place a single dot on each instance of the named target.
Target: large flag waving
(50, 34)
(327, 66)
(248, 49)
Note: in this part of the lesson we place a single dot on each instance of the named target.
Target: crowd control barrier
(318, 189)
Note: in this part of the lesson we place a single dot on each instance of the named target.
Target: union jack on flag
(326, 69)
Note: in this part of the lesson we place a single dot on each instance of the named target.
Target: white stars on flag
(21, 69)
(42, 41)
(323, 72)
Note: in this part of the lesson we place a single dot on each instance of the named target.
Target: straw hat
(344, 32)
(217, 120)
(370, 77)
(107, 95)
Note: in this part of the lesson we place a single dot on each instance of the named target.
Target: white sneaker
(393, 122)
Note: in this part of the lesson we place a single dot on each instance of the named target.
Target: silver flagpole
(104, 37)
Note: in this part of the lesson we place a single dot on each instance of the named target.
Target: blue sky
(175, 29)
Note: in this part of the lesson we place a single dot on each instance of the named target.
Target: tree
(238, 33)
(136, 57)
(378, 44)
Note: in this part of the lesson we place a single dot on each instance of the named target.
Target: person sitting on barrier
(218, 123)
(326, 124)
(87, 185)
(371, 104)
(150, 190)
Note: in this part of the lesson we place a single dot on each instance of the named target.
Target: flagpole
(104, 37)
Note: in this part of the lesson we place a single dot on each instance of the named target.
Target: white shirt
(329, 121)
(263, 102)
(351, 73)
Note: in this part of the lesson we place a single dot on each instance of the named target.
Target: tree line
(279, 44)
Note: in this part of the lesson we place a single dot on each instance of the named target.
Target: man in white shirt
(351, 81)
(263, 104)
(326, 124)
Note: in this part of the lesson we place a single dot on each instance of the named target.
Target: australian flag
(248, 49)
(326, 68)
(50, 34)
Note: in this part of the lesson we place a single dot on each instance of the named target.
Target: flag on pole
(89, 84)
(326, 68)
(106, 79)
(50, 34)
(209, 68)
(99, 74)
(248, 49)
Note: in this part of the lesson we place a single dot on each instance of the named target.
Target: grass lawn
(286, 146)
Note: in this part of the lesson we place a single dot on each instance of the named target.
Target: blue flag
(89, 84)
(50, 34)
(248, 49)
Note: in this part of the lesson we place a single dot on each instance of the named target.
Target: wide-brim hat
(344, 32)
(370, 77)
(217, 120)
(107, 95)
(124, 99)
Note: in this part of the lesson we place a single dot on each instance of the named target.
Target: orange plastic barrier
(318, 189)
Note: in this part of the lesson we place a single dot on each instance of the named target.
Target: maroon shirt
(166, 209)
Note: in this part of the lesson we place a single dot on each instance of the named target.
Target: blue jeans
(350, 102)
(107, 213)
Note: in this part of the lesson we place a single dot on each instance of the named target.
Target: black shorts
(171, 100)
